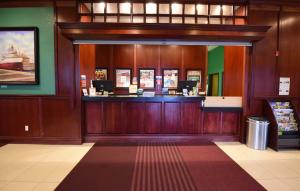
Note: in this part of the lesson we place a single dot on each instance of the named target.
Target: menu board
(284, 115)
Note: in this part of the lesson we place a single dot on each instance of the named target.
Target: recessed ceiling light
(151, 8)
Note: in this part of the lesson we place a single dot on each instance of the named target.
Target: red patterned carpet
(158, 167)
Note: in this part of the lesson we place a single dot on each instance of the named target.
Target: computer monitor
(186, 85)
(103, 85)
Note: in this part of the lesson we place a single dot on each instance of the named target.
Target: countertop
(143, 98)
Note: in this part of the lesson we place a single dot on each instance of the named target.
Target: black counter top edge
(141, 98)
(216, 109)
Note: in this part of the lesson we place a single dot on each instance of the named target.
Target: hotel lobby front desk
(157, 117)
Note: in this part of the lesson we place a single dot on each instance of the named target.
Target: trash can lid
(260, 119)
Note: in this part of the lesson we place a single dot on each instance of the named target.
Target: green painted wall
(43, 18)
(216, 64)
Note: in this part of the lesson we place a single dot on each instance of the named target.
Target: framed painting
(122, 77)
(194, 75)
(170, 78)
(19, 56)
(101, 73)
(147, 78)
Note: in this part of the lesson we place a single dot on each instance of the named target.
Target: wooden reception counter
(165, 115)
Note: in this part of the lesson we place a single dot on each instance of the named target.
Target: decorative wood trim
(66, 3)
(56, 49)
(114, 31)
(204, 27)
(264, 7)
(32, 3)
(290, 8)
(275, 2)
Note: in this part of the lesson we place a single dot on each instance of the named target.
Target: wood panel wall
(142, 56)
(234, 63)
(264, 59)
(289, 57)
(275, 56)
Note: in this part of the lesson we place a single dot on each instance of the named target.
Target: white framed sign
(284, 85)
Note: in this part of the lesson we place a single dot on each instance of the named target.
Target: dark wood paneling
(230, 123)
(289, 57)
(195, 57)
(256, 107)
(65, 66)
(234, 61)
(171, 117)
(190, 118)
(113, 117)
(123, 56)
(153, 119)
(66, 14)
(147, 56)
(266, 68)
(134, 117)
(103, 55)
(296, 103)
(263, 3)
(16, 113)
(171, 56)
(94, 118)
(148, 117)
(87, 60)
(264, 54)
(212, 122)
(59, 118)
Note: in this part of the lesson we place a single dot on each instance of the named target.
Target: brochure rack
(284, 124)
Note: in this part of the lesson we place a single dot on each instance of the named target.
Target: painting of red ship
(17, 57)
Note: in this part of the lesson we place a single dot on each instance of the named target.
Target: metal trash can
(257, 133)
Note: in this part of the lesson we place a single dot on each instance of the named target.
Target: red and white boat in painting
(13, 60)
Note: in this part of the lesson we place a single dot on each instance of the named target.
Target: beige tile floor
(25, 167)
(274, 170)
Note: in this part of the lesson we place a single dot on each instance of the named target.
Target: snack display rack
(284, 124)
